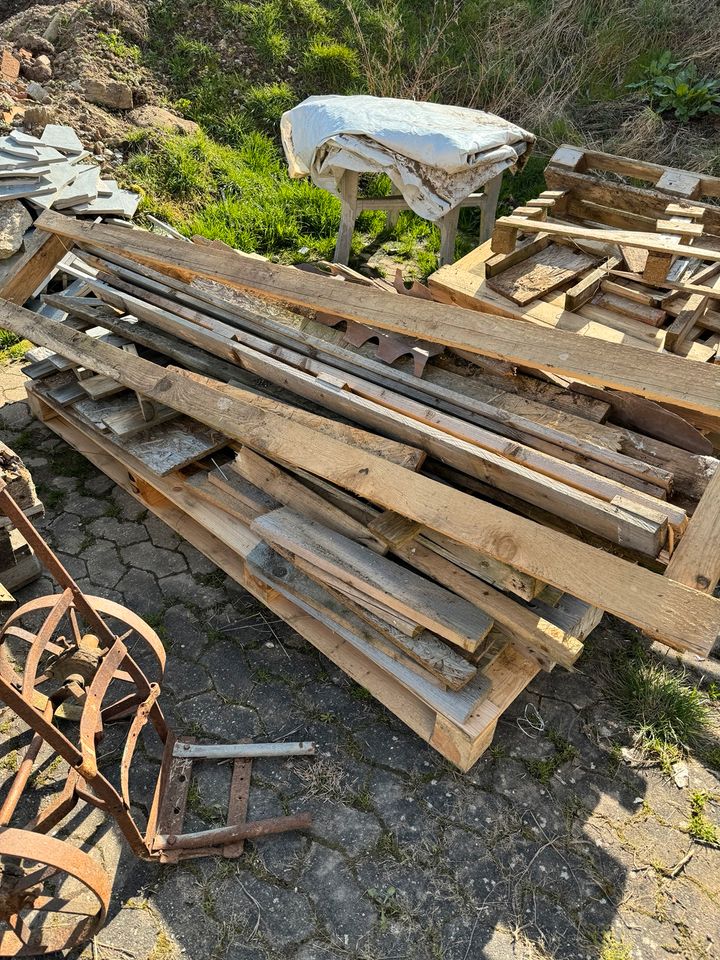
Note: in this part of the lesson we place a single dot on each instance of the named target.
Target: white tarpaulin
(435, 155)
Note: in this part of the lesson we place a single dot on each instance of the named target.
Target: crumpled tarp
(436, 155)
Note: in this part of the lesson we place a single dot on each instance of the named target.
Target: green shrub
(266, 103)
(671, 87)
(330, 67)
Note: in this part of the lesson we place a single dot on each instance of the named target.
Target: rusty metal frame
(82, 668)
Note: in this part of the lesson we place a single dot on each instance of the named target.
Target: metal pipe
(226, 835)
(243, 751)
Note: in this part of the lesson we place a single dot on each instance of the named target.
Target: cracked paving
(407, 858)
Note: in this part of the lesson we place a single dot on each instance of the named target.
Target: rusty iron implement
(66, 662)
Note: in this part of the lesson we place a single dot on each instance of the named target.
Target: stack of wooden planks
(602, 256)
(441, 538)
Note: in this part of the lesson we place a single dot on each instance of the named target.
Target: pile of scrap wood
(602, 256)
(441, 538)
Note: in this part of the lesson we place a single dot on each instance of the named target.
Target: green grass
(545, 768)
(113, 40)
(667, 714)
(700, 827)
(12, 347)
(564, 75)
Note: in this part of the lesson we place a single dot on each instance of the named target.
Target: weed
(678, 88)
(387, 902)
(69, 463)
(359, 693)
(24, 442)
(363, 801)
(10, 761)
(113, 509)
(51, 498)
(545, 768)
(700, 827)
(266, 103)
(12, 347)
(209, 813)
(41, 778)
(329, 67)
(609, 947)
(114, 41)
(388, 846)
(164, 948)
(666, 714)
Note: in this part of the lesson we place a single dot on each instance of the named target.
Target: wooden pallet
(227, 542)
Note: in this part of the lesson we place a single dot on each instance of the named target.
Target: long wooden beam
(659, 377)
(668, 611)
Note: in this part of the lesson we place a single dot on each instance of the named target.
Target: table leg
(348, 196)
(448, 232)
(489, 208)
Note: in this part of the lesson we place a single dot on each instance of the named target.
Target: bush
(265, 105)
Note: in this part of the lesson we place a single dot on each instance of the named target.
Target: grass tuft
(700, 827)
(667, 715)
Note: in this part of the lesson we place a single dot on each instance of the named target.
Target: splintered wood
(442, 537)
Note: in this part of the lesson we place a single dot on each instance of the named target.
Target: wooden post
(348, 196)
(489, 208)
(448, 232)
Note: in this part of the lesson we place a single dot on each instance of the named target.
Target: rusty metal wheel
(52, 895)
(70, 650)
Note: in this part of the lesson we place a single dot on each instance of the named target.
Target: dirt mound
(82, 62)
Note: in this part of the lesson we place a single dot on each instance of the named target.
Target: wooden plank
(678, 615)
(585, 289)
(696, 560)
(291, 493)
(541, 273)
(661, 378)
(630, 307)
(413, 596)
(690, 314)
(26, 271)
(290, 582)
(461, 743)
(655, 242)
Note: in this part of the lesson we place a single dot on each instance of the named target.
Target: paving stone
(185, 679)
(219, 720)
(197, 562)
(183, 587)
(230, 672)
(161, 534)
(353, 831)
(65, 532)
(145, 556)
(138, 927)
(179, 904)
(184, 633)
(121, 533)
(286, 916)
(99, 485)
(141, 592)
(103, 563)
(339, 900)
(85, 507)
(283, 854)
